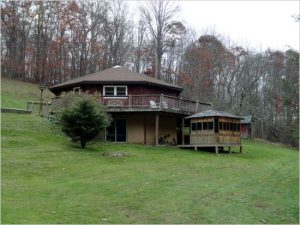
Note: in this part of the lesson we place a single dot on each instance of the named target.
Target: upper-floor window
(76, 90)
(115, 91)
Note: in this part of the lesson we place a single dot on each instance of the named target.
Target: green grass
(47, 179)
(15, 94)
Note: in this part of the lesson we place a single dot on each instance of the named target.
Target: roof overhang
(60, 87)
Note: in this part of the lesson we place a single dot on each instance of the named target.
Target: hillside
(15, 94)
(47, 179)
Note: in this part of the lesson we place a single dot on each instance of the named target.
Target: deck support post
(145, 130)
(182, 131)
(156, 128)
(216, 149)
(241, 149)
(229, 149)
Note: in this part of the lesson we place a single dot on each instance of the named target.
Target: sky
(253, 24)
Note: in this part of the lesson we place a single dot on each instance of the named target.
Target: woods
(49, 42)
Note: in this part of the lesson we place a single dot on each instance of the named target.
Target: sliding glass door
(117, 132)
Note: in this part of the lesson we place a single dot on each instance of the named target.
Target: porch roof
(246, 119)
(211, 113)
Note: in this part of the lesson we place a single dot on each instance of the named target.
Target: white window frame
(76, 90)
(115, 91)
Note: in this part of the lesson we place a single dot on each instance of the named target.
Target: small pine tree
(83, 121)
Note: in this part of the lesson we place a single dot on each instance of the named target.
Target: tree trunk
(82, 143)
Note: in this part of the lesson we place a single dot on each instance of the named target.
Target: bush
(83, 121)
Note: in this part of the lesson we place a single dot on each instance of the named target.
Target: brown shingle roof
(115, 75)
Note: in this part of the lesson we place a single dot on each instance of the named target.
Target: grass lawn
(47, 179)
(15, 94)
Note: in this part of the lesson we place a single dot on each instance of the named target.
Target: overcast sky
(255, 24)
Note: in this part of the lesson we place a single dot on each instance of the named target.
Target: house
(214, 129)
(246, 127)
(144, 110)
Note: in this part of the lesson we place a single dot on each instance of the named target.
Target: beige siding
(136, 129)
(150, 128)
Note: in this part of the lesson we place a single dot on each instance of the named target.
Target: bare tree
(117, 34)
(139, 47)
(159, 17)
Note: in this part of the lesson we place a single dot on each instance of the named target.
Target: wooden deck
(197, 146)
(140, 103)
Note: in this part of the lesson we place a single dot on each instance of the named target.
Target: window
(216, 124)
(109, 91)
(194, 127)
(220, 126)
(227, 126)
(210, 125)
(205, 126)
(199, 126)
(238, 127)
(115, 91)
(76, 90)
(121, 91)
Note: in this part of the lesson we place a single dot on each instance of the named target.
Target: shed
(246, 127)
(215, 129)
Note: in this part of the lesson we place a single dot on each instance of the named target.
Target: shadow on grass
(211, 150)
(97, 147)
(90, 147)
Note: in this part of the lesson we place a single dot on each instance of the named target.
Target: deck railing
(39, 107)
(143, 102)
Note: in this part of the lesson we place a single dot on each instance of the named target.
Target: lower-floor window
(117, 131)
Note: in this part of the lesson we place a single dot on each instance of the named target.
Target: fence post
(27, 105)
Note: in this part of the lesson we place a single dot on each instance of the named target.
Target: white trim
(117, 97)
(76, 90)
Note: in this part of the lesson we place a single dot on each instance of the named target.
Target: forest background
(49, 42)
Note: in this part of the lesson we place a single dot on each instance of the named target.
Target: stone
(114, 154)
